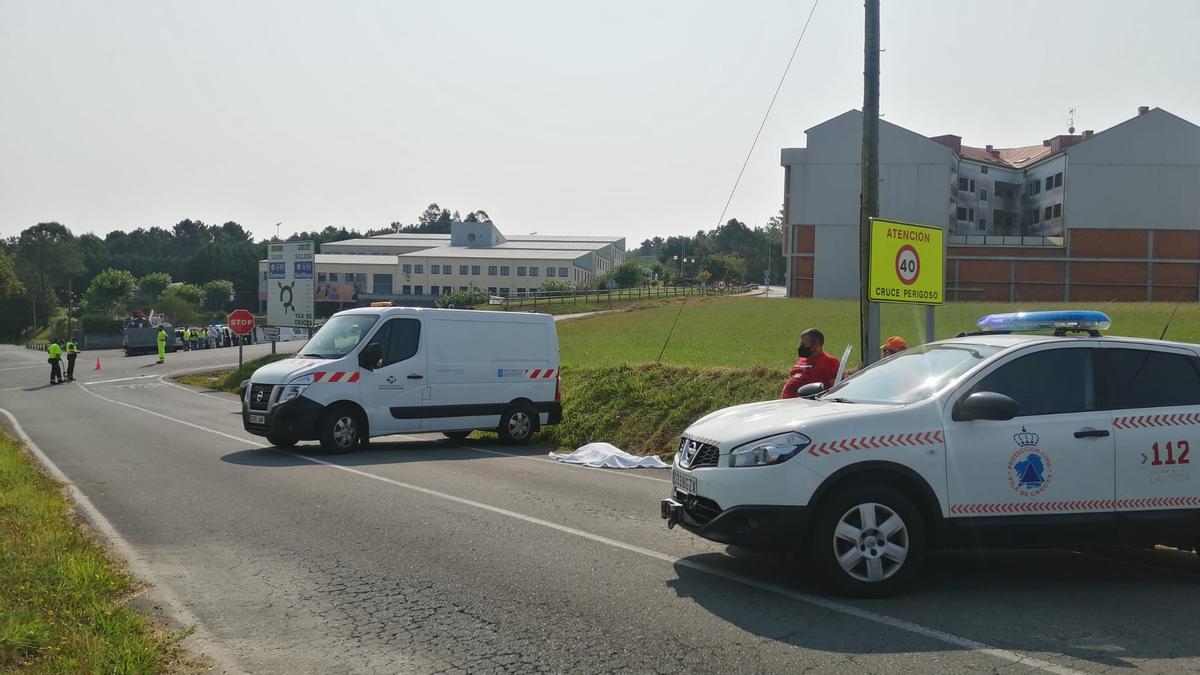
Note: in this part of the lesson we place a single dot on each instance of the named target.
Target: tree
(110, 294)
(10, 285)
(723, 267)
(217, 293)
(177, 309)
(630, 275)
(47, 256)
(151, 287)
(191, 294)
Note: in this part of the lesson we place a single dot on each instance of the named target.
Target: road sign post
(241, 322)
(907, 267)
(271, 334)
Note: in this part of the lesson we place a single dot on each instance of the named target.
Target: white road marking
(117, 379)
(832, 605)
(209, 647)
(47, 365)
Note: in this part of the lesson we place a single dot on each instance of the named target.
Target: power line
(768, 113)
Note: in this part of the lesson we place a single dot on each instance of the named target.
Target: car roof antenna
(1169, 320)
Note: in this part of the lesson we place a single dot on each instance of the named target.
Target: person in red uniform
(814, 365)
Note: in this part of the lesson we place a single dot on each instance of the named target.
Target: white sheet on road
(607, 456)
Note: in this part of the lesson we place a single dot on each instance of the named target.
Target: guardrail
(615, 295)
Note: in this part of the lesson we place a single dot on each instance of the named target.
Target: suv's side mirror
(810, 390)
(986, 405)
(370, 356)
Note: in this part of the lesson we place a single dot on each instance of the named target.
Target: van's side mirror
(370, 356)
(986, 405)
(810, 390)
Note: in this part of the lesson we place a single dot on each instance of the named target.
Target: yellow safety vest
(53, 351)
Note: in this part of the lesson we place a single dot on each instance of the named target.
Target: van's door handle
(1091, 433)
(418, 376)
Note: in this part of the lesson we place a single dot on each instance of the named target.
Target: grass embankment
(556, 308)
(230, 380)
(61, 598)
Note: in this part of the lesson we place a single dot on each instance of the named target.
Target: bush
(464, 299)
(554, 286)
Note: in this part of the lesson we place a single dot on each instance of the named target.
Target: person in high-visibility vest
(72, 354)
(54, 357)
(187, 339)
(162, 344)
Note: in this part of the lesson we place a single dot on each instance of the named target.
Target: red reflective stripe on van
(353, 378)
(336, 376)
(548, 374)
(318, 375)
(535, 373)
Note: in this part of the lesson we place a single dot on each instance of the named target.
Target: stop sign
(241, 322)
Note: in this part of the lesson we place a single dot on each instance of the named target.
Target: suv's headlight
(295, 388)
(770, 450)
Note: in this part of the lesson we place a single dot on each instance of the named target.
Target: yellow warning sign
(906, 263)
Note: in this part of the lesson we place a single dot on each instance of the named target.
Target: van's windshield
(339, 336)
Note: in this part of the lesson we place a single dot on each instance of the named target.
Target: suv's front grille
(694, 454)
(260, 396)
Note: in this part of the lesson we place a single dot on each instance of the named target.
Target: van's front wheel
(517, 425)
(340, 430)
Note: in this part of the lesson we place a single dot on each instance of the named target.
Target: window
(1049, 182)
(533, 271)
(407, 269)
(520, 291)
(418, 290)
(407, 290)
(1137, 378)
(491, 290)
(446, 290)
(504, 270)
(321, 276)
(1057, 210)
(550, 271)
(971, 188)
(983, 195)
(520, 271)
(420, 269)
(1048, 382)
(983, 223)
(464, 270)
(434, 290)
(399, 339)
(333, 276)
(361, 279)
(962, 213)
(383, 284)
(1058, 179)
(562, 272)
(491, 270)
(462, 289)
(475, 270)
(962, 184)
(1049, 212)
(435, 269)
(983, 169)
(970, 214)
(504, 292)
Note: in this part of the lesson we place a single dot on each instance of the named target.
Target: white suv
(986, 440)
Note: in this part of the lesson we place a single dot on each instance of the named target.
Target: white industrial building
(422, 267)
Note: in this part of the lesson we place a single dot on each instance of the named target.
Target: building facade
(419, 268)
(1102, 216)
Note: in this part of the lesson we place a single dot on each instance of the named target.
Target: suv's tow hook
(671, 511)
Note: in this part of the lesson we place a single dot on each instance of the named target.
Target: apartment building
(1095, 216)
(419, 268)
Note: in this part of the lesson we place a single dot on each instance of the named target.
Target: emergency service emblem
(1030, 468)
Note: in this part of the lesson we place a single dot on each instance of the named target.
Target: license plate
(258, 419)
(683, 482)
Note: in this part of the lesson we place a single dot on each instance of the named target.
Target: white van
(388, 370)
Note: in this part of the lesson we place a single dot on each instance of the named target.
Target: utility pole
(868, 312)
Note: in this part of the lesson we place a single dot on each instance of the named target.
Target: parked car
(985, 440)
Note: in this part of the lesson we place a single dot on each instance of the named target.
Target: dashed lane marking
(817, 601)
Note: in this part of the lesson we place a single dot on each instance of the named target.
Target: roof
(412, 235)
(551, 245)
(1016, 158)
(388, 242)
(354, 259)
(494, 253)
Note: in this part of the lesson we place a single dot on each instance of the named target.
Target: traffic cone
(98, 365)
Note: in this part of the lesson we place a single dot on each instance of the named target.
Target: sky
(623, 117)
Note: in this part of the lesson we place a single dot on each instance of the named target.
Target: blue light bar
(1055, 320)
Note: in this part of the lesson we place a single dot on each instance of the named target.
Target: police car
(990, 439)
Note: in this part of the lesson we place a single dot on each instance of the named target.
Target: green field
(747, 332)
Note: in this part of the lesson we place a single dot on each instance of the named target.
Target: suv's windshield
(912, 375)
(339, 336)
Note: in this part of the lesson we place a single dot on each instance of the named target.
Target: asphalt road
(421, 554)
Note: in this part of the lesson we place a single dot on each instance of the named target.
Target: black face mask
(803, 352)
